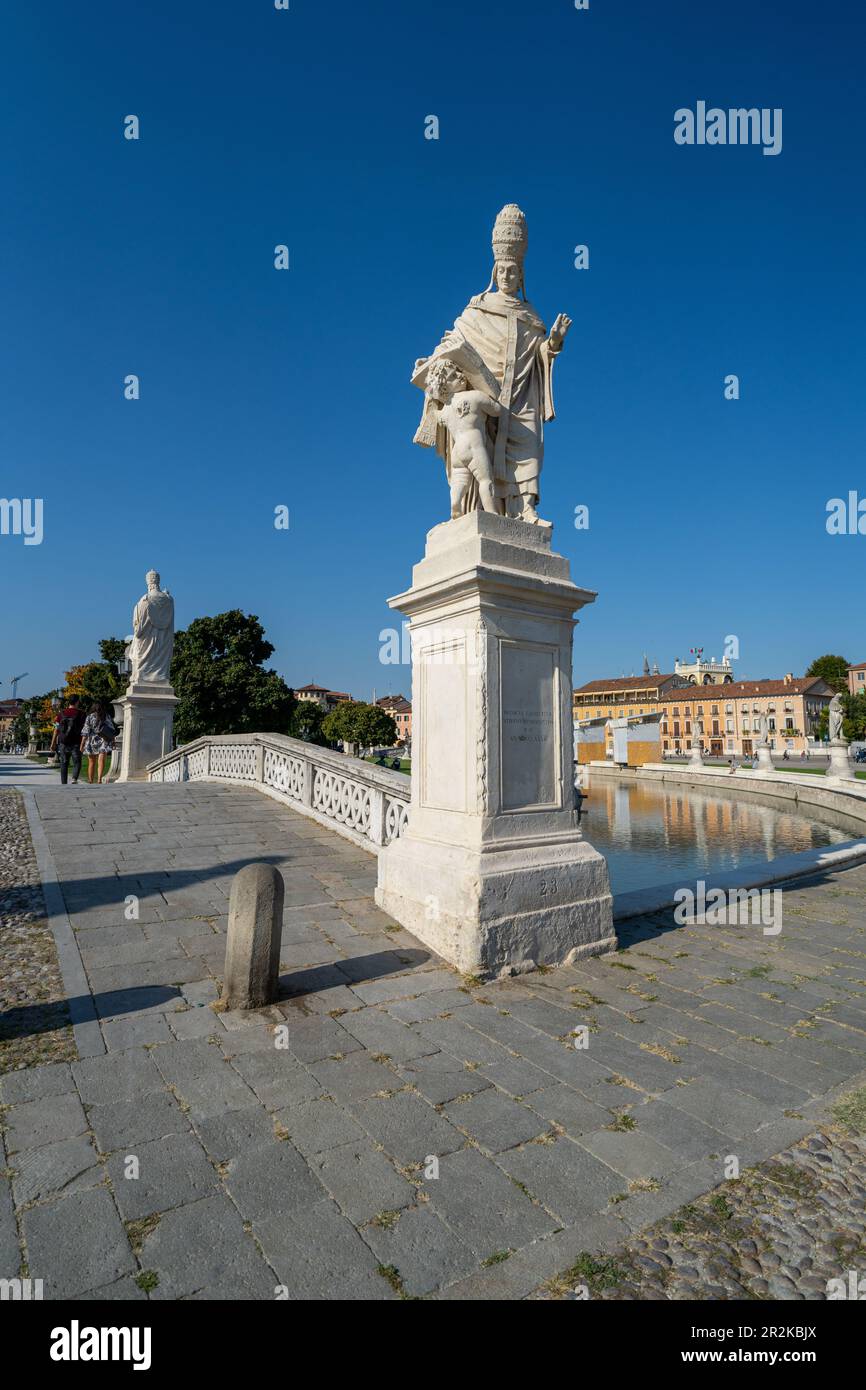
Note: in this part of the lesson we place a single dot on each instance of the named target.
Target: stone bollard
(253, 942)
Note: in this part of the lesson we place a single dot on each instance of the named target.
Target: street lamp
(124, 668)
(56, 706)
(124, 665)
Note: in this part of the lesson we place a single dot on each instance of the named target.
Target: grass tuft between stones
(850, 1111)
(596, 1273)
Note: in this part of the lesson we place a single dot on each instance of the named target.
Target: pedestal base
(765, 761)
(500, 911)
(840, 769)
(148, 715)
(492, 872)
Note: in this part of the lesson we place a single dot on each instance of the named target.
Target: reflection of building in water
(622, 815)
(653, 834)
(717, 818)
(640, 812)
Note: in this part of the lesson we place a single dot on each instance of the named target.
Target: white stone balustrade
(365, 803)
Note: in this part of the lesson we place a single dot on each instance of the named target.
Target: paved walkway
(18, 771)
(419, 1134)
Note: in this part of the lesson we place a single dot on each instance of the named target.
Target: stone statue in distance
(836, 714)
(152, 635)
(839, 768)
(147, 708)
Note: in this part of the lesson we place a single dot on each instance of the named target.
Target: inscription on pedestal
(151, 735)
(529, 756)
(444, 756)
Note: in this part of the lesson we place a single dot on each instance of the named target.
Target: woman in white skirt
(97, 739)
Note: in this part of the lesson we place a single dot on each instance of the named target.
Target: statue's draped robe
(153, 637)
(504, 339)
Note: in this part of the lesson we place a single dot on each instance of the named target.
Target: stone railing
(366, 803)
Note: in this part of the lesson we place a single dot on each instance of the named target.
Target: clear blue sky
(261, 387)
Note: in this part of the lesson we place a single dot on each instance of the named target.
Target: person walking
(97, 739)
(66, 739)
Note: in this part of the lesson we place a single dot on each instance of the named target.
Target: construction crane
(14, 683)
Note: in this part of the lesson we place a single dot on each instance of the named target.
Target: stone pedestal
(148, 715)
(765, 761)
(695, 759)
(493, 872)
(840, 768)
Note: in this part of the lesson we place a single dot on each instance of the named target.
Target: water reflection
(652, 834)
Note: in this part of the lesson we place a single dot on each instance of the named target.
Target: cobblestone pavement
(34, 1019)
(420, 1135)
(783, 1230)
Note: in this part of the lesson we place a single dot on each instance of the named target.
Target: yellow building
(726, 720)
(857, 679)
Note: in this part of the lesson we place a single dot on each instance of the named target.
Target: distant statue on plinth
(152, 643)
(837, 714)
(504, 352)
(763, 751)
(147, 707)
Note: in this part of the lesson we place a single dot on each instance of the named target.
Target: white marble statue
(505, 353)
(764, 727)
(464, 413)
(152, 635)
(837, 714)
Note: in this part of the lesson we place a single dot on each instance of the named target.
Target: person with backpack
(66, 739)
(97, 739)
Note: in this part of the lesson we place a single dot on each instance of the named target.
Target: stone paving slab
(420, 1135)
(70, 1165)
(780, 1230)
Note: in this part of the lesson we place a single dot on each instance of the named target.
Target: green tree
(99, 680)
(94, 681)
(854, 723)
(223, 688)
(360, 724)
(112, 650)
(854, 726)
(832, 669)
(306, 722)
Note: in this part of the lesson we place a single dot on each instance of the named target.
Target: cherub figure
(463, 412)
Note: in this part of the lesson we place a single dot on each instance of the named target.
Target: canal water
(651, 834)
